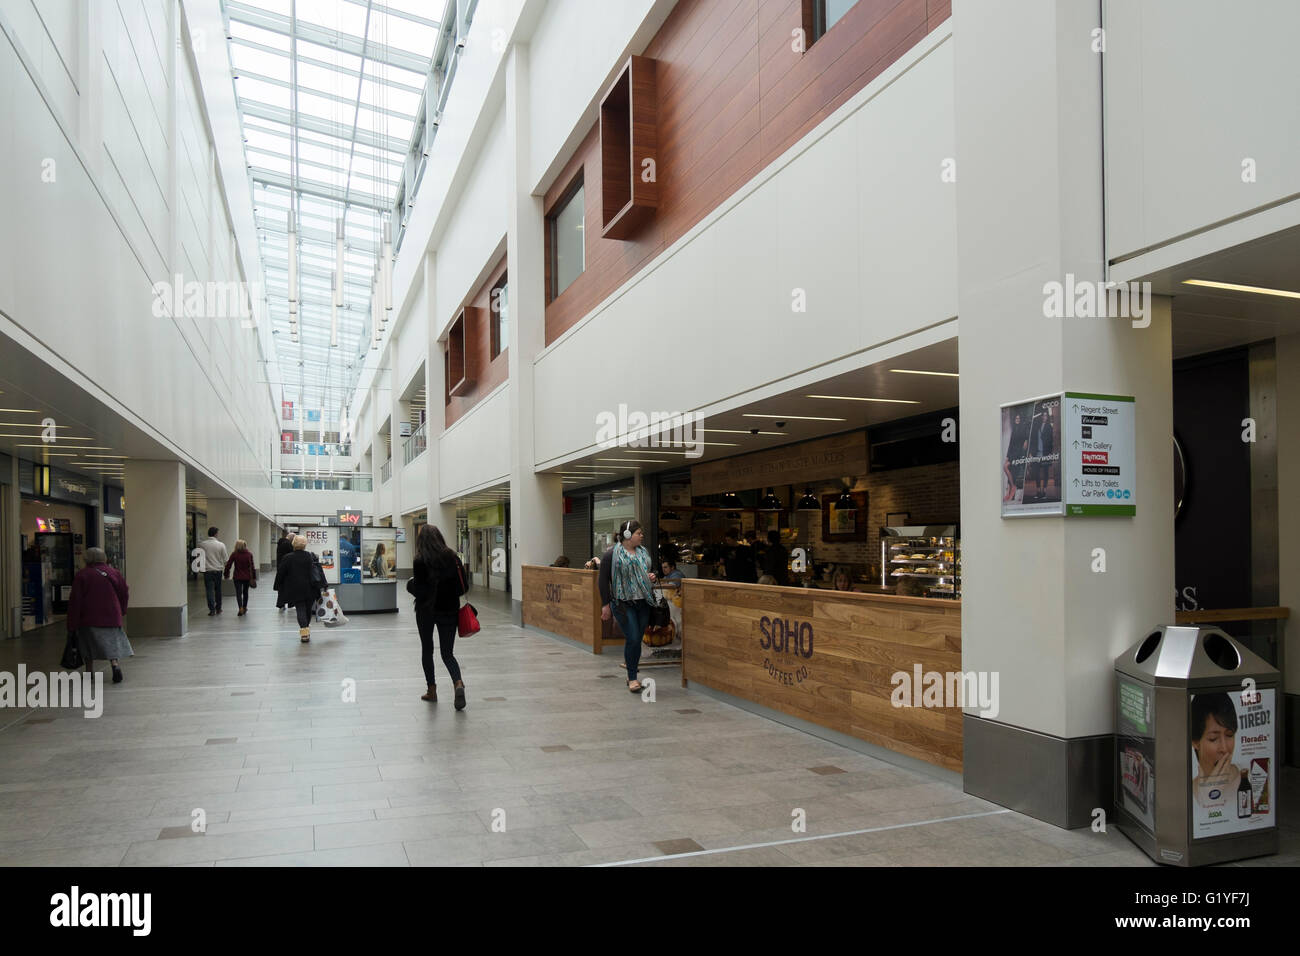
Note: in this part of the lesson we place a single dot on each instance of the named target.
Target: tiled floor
(549, 765)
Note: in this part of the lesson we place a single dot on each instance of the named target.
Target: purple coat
(99, 594)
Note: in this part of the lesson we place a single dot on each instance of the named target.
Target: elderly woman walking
(95, 610)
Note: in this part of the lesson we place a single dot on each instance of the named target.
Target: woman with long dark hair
(626, 590)
(438, 580)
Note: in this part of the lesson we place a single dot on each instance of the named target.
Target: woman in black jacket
(438, 580)
(298, 581)
(283, 548)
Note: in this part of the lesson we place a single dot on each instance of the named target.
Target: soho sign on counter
(1072, 453)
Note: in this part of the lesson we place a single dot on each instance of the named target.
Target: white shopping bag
(328, 611)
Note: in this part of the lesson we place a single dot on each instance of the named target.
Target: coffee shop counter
(830, 658)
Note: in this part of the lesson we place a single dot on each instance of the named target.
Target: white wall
(475, 451)
(475, 229)
(1194, 87)
(77, 277)
(572, 54)
(856, 215)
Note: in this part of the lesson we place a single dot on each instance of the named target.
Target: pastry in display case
(928, 554)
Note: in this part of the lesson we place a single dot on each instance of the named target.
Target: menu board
(1234, 784)
(324, 543)
(378, 555)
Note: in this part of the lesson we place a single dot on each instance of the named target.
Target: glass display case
(927, 555)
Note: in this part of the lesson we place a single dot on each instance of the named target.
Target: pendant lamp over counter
(771, 502)
(809, 501)
(846, 499)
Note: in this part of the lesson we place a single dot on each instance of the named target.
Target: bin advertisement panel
(378, 555)
(1234, 776)
(1136, 749)
(324, 542)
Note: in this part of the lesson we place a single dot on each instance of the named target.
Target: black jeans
(304, 613)
(446, 624)
(241, 594)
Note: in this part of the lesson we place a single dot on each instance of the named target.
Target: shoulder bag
(467, 619)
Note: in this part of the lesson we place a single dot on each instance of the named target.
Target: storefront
(873, 511)
(57, 522)
(489, 546)
(115, 526)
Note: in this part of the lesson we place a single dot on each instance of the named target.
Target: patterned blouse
(630, 576)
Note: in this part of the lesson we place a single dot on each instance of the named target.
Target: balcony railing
(413, 447)
(329, 449)
(350, 481)
(386, 472)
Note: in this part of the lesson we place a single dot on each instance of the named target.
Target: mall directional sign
(1100, 454)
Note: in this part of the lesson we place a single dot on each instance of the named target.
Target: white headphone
(627, 530)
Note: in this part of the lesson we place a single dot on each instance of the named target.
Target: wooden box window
(459, 377)
(629, 150)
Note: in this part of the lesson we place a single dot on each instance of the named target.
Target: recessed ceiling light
(917, 371)
(643, 461)
(21, 411)
(1234, 287)
(800, 418)
(856, 398)
(735, 431)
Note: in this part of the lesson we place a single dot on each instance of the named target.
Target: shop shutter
(577, 531)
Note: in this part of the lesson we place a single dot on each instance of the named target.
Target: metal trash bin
(1196, 747)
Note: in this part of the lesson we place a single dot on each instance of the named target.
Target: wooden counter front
(741, 639)
(564, 601)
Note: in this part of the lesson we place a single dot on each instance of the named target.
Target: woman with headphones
(626, 591)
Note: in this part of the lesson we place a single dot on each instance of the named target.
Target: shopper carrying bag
(626, 588)
(437, 582)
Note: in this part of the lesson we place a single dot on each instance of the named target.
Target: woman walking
(95, 609)
(438, 580)
(245, 573)
(297, 583)
(626, 589)
(283, 548)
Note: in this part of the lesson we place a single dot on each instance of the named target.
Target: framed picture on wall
(844, 524)
(898, 519)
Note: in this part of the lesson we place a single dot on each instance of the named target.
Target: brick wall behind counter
(931, 494)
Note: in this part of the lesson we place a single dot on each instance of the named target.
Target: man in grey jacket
(214, 559)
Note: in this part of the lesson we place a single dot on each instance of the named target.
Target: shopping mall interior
(943, 356)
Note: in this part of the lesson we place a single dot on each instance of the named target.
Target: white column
(224, 514)
(1029, 211)
(156, 555)
(536, 501)
(443, 516)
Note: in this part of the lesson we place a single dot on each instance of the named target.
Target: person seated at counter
(768, 580)
(671, 576)
(842, 581)
(592, 565)
(561, 562)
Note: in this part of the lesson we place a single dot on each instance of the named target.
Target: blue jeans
(212, 585)
(633, 618)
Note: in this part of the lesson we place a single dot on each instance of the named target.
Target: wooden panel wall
(733, 96)
(564, 601)
(859, 641)
(486, 373)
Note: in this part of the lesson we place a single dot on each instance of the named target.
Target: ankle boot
(431, 695)
(305, 634)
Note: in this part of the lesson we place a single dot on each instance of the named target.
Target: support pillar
(156, 555)
(1036, 610)
(536, 501)
(442, 516)
(1288, 530)
(224, 513)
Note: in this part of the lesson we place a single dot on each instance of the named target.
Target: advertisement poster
(1135, 750)
(1031, 457)
(378, 555)
(323, 542)
(1100, 447)
(1233, 762)
(286, 411)
(349, 555)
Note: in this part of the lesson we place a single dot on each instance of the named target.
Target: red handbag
(467, 620)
